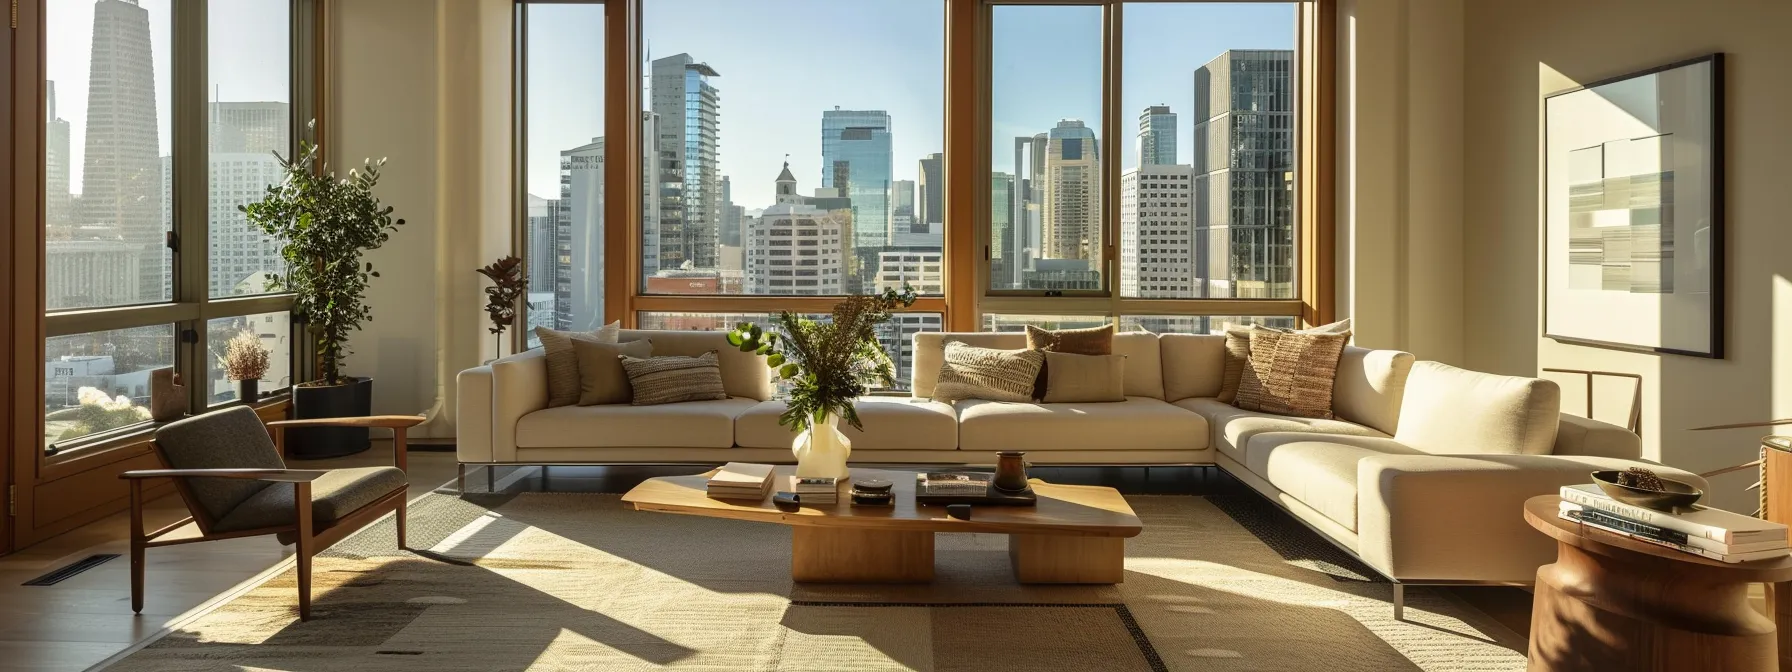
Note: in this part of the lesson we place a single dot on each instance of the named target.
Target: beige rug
(579, 582)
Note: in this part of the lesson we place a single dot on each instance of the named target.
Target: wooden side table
(1613, 603)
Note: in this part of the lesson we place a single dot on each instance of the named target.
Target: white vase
(821, 450)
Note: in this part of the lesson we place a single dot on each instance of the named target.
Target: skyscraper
(930, 196)
(1157, 233)
(244, 138)
(579, 299)
(902, 195)
(121, 185)
(1001, 206)
(543, 243)
(58, 216)
(251, 127)
(1071, 219)
(689, 170)
(795, 248)
(1024, 219)
(856, 160)
(730, 226)
(1157, 136)
(1243, 175)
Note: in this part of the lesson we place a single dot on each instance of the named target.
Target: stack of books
(1712, 533)
(741, 480)
(813, 491)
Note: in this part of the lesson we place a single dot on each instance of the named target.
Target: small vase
(1011, 471)
(248, 391)
(821, 450)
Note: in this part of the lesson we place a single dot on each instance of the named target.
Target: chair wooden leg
(400, 521)
(137, 546)
(306, 548)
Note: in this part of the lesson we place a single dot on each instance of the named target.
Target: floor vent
(69, 570)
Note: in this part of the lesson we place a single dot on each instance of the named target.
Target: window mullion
(189, 131)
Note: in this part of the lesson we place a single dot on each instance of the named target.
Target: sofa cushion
(1084, 378)
(1318, 470)
(970, 372)
(689, 424)
(1232, 427)
(744, 374)
(1451, 411)
(338, 493)
(1192, 364)
(1139, 423)
(1370, 385)
(1290, 373)
(891, 423)
(1144, 364)
(930, 353)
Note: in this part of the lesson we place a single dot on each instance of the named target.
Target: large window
(562, 49)
(148, 263)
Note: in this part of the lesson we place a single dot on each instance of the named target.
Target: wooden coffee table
(1076, 534)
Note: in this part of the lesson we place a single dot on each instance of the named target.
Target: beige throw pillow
(1087, 341)
(1290, 373)
(563, 363)
(1085, 378)
(1238, 351)
(666, 380)
(602, 380)
(970, 372)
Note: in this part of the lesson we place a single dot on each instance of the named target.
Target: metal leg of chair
(1399, 601)
(137, 546)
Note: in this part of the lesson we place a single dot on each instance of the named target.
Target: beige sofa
(1421, 474)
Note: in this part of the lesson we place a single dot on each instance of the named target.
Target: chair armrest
(1461, 517)
(274, 475)
(392, 421)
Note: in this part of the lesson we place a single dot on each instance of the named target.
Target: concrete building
(930, 194)
(579, 301)
(795, 248)
(902, 195)
(1071, 211)
(688, 166)
(121, 185)
(1157, 136)
(96, 268)
(58, 202)
(240, 251)
(1243, 175)
(542, 227)
(252, 127)
(1157, 232)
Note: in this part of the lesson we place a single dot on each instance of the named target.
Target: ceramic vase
(821, 450)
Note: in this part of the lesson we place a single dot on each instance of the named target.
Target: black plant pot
(350, 400)
(248, 391)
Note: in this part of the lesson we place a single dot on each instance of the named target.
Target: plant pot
(248, 391)
(821, 450)
(353, 399)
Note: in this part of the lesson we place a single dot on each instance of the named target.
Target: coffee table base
(1053, 558)
(855, 555)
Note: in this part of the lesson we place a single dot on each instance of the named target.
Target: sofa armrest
(1576, 435)
(473, 415)
(1460, 517)
(519, 387)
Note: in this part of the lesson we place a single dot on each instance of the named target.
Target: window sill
(138, 436)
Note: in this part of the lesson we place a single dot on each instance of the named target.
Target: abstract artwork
(1633, 245)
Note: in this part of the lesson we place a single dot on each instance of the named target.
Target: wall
(427, 84)
(1520, 50)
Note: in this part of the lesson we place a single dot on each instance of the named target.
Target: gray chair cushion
(233, 438)
(338, 493)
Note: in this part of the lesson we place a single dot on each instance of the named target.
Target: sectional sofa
(1421, 473)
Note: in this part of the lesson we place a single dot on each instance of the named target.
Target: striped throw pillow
(666, 380)
(970, 372)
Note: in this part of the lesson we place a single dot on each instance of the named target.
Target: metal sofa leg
(460, 482)
(1399, 601)
(491, 478)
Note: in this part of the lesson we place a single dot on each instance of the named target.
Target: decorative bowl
(1678, 495)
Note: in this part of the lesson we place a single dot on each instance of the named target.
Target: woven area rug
(580, 582)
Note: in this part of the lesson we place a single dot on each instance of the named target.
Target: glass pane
(272, 331)
(1045, 151)
(1201, 324)
(99, 381)
(993, 322)
(108, 152)
(743, 194)
(564, 164)
(250, 80)
(897, 335)
(1207, 188)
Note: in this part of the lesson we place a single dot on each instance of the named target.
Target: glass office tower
(856, 159)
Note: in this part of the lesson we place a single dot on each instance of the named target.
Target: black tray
(991, 496)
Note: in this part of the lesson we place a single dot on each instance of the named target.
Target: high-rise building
(1024, 212)
(251, 127)
(1157, 136)
(856, 160)
(795, 248)
(902, 195)
(1243, 175)
(1071, 211)
(121, 185)
(1001, 206)
(543, 243)
(930, 194)
(58, 215)
(579, 298)
(1157, 233)
(91, 273)
(730, 226)
(244, 138)
(689, 168)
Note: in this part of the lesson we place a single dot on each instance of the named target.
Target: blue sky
(783, 62)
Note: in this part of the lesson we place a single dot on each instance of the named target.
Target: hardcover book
(1714, 524)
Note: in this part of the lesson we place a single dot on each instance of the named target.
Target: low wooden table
(1613, 603)
(1076, 534)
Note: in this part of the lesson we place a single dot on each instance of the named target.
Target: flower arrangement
(245, 358)
(827, 364)
(509, 284)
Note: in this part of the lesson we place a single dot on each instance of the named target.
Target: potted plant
(246, 361)
(509, 283)
(325, 225)
(828, 365)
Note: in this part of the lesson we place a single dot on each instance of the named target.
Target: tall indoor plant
(324, 226)
(828, 365)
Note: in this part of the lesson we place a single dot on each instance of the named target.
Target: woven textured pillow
(563, 363)
(1088, 341)
(1238, 350)
(1290, 373)
(666, 380)
(602, 380)
(970, 372)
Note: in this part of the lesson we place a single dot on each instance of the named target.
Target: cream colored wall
(1520, 50)
(426, 83)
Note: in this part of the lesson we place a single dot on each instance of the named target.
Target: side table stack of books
(812, 491)
(1712, 533)
(741, 480)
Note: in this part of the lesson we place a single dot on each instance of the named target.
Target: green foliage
(324, 225)
(99, 412)
(509, 283)
(828, 364)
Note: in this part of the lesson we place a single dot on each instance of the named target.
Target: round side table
(1613, 603)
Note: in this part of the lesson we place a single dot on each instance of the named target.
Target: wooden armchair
(231, 476)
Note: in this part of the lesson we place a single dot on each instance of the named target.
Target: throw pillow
(1089, 341)
(563, 363)
(1085, 378)
(1238, 350)
(665, 380)
(970, 372)
(1290, 373)
(602, 380)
